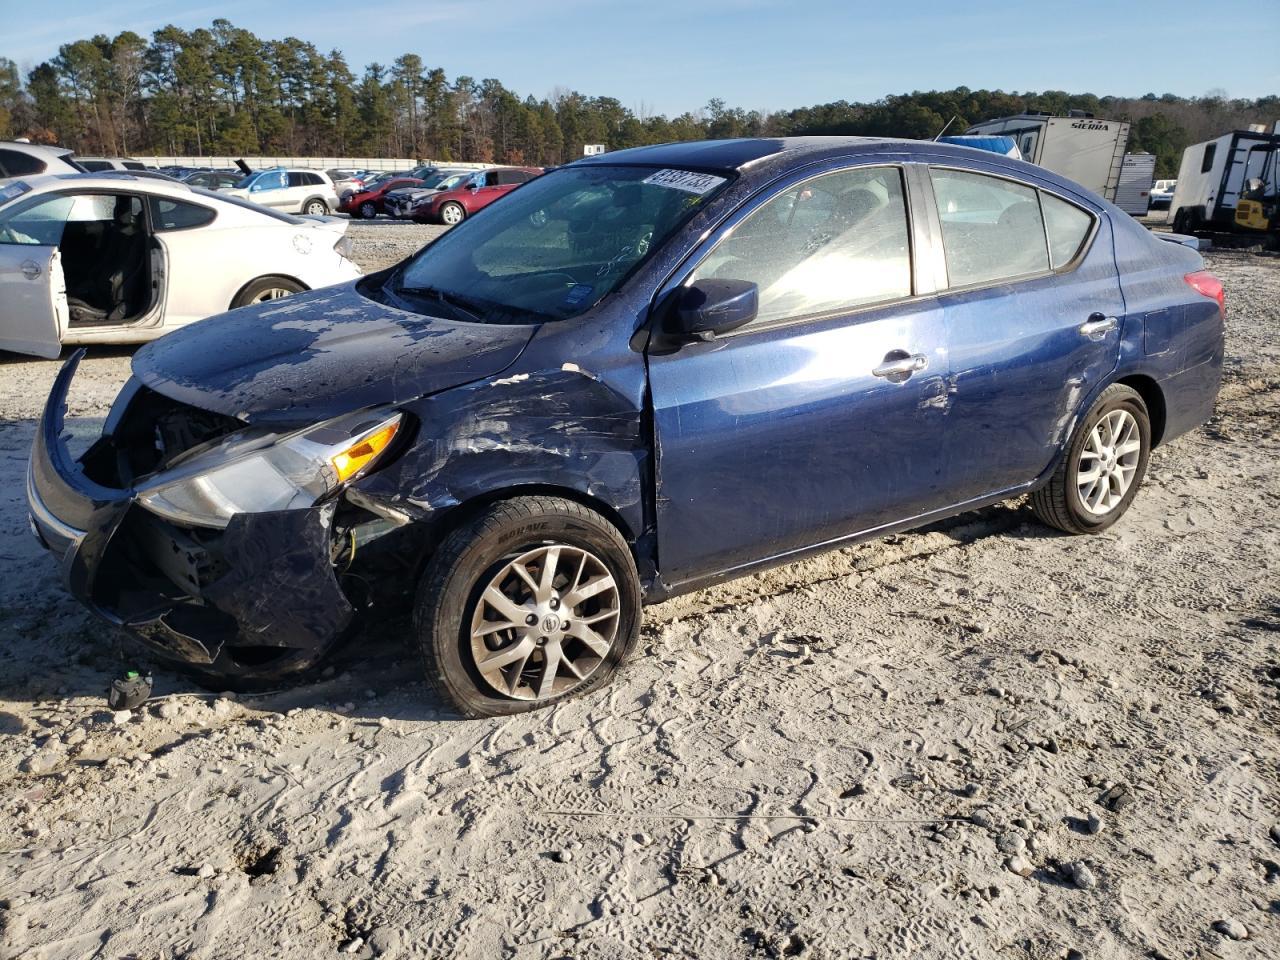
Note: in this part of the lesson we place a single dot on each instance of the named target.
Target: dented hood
(320, 354)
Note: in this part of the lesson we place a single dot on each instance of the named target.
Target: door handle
(30, 269)
(899, 365)
(1098, 326)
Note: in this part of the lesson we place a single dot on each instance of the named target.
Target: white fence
(310, 163)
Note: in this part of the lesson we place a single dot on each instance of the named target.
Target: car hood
(321, 354)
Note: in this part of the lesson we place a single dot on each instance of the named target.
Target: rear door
(32, 288)
(1033, 312)
(800, 428)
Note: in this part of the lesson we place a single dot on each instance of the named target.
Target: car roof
(770, 155)
(35, 149)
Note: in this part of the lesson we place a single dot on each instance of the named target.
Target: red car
(367, 204)
(476, 192)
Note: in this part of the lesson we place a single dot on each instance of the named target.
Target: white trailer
(1133, 195)
(1213, 173)
(1082, 148)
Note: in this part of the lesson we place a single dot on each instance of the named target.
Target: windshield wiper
(470, 307)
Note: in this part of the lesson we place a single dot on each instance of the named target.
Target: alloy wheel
(271, 293)
(544, 622)
(451, 214)
(1108, 462)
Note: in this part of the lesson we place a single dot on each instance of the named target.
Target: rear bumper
(257, 600)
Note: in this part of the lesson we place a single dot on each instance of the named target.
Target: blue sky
(669, 56)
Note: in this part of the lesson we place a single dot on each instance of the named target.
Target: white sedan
(118, 258)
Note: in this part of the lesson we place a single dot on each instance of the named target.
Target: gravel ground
(982, 739)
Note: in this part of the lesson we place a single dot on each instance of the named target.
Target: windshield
(555, 246)
(439, 180)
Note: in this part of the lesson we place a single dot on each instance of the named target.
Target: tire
(1180, 221)
(480, 554)
(1064, 502)
(368, 210)
(264, 289)
(315, 207)
(452, 214)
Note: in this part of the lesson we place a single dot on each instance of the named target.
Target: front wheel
(452, 214)
(534, 600)
(367, 210)
(1103, 467)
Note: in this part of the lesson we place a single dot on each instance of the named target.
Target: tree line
(223, 90)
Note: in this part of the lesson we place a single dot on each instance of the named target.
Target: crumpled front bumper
(257, 600)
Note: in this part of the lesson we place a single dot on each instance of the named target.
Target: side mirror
(714, 306)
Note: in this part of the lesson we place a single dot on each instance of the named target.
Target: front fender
(561, 428)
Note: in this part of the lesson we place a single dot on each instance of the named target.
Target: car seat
(112, 288)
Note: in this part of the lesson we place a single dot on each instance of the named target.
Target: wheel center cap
(550, 623)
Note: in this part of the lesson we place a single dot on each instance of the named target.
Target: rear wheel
(1103, 468)
(532, 601)
(452, 213)
(266, 288)
(315, 207)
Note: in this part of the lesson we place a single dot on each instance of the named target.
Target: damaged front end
(224, 547)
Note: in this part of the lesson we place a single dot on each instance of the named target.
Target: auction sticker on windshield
(11, 190)
(685, 180)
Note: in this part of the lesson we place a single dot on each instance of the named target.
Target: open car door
(34, 295)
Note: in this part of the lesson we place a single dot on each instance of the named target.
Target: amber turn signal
(355, 458)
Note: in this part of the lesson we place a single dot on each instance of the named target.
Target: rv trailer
(1133, 195)
(1081, 147)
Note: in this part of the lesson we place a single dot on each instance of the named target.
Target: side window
(96, 166)
(270, 180)
(837, 241)
(1068, 228)
(315, 180)
(297, 179)
(39, 225)
(513, 176)
(491, 179)
(991, 228)
(1207, 163)
(15, 164)
(169, 214)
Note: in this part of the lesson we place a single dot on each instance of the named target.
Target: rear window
(1067, 226)
(991, 228)
(96, 166)
(167, 214)
(16, 164)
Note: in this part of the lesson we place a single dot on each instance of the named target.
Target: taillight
(1207, 285)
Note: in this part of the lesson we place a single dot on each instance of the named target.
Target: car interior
(105, 260)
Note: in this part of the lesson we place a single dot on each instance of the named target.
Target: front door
(32, 288)
(820, 418)
(1033, 325)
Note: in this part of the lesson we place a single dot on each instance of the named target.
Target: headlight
(248, 475)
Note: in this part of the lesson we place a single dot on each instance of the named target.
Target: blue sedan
(640, 374)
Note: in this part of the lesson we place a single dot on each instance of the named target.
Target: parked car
(19, 159)
(213, 179)
(124, 258)
(475, 193)
(367, 203)
(640, 374)
(290, 190)
(101, 164)
(405, 203)
(1162, 194)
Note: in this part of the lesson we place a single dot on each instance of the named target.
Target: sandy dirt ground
(982, 739)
